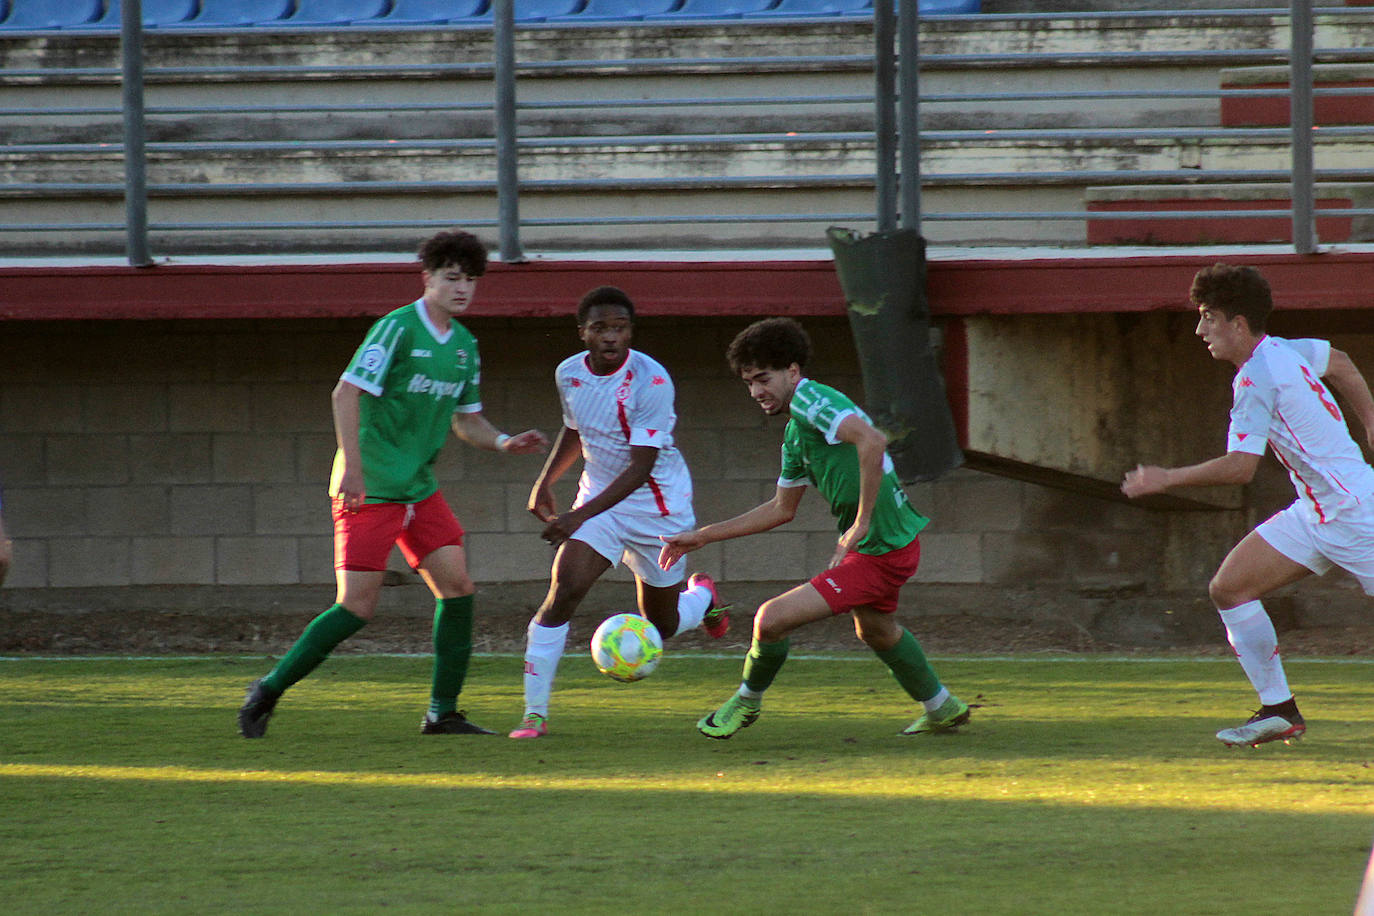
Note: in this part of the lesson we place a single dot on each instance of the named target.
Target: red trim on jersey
(1311, 497)
(658, 496)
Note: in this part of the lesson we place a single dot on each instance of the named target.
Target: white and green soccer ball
(627, 647)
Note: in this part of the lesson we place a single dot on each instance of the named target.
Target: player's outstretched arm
(779, 510)
(637, 473)
(1231, 468)
(567, 446)
(476, 430)
(1350, 383)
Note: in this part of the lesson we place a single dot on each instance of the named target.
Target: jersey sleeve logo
(658, 380)
(1245, 382)
(373, 358)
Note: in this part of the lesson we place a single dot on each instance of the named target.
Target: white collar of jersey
(619, 371)
(440, 336)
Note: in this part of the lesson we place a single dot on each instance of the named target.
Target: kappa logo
(575, 383)
(658, 380)
(1245, 382)
(831, 582)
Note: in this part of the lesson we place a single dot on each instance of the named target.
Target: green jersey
(418, 375)
(812, 453)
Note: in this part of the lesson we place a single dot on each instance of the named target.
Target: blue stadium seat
(237, 13)
(950, 7)
(417, 12)
(612, 10)
(816, 8)
(50, 14)
(715, 9)
(335, 12)
(539, 10)
(155, 13)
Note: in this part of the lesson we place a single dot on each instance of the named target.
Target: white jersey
(1279, 400)
(631, 406)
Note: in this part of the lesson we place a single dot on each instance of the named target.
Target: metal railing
(897, 177)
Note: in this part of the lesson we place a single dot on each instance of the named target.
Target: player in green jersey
(829, 444)
(415, 377)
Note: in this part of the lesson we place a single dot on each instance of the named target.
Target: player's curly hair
(1234, 291)
(603, 295)
(454, 247)
(772, 343)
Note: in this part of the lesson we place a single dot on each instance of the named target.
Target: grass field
(1081, 786)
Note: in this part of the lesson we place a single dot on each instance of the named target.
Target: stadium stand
(237, 13)
(816, 8)
(50, 14)
(715, 9)
(427, 12)
(539, 10)
(612, 10)
(336, 12)
(156, 13)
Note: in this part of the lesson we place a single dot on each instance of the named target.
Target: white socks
(936, 701)
(691, 608)
(543, 650)
(1251, 634)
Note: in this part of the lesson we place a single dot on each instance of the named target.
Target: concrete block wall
(198, 453)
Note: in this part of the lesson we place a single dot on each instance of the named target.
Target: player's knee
(1225, 594)
(768, 623)
(459, 587)
(879, 632)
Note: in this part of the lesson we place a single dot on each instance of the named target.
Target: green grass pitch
(1081, 786)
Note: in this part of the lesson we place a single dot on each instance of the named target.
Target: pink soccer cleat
(717, 619)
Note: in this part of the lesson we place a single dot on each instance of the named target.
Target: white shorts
(634, 539)
(1347, 542)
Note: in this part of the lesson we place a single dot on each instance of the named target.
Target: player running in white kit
(618, 416)
(1279, 401)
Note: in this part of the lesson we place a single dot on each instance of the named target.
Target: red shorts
(864, 580)
(363, 539)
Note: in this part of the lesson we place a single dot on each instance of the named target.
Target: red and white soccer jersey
(631, 406)
(1279, 400)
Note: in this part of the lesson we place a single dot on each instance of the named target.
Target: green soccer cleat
(952, 713)
(734, 714)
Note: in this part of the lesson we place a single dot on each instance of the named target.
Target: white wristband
(501, 440)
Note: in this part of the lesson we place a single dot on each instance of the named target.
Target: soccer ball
(627, 647)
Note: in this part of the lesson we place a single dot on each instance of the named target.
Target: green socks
(910, 668)
(452, 651)
(763, 663)
(314, 645)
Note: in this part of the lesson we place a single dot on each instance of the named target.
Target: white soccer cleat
(1262, 727)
